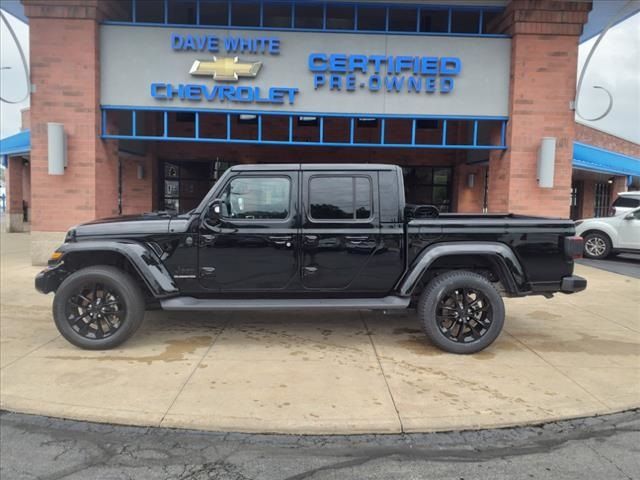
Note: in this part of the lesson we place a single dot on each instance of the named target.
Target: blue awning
(18, 143)
(596, 159)
(15, 144)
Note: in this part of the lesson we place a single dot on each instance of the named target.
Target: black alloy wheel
(464, 315)
(98, 307)
(461, 312)
(96, 311)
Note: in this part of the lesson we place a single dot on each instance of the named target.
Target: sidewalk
(302, 372)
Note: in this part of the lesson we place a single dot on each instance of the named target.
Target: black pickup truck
(297, 236)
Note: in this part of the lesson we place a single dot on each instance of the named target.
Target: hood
(147, 223)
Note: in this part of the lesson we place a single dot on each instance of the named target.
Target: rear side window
(627, 202)
(340, 198)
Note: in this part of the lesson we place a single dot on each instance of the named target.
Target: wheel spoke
(95, 311)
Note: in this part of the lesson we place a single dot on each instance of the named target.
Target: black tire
(441, 307)
(597, 245)
(98, 308)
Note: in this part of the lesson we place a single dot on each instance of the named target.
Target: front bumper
(573, 284)
(50, 278)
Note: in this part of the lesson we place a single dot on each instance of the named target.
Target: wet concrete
(325, 372)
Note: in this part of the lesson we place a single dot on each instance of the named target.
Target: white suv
(606, 235)
(625, 202)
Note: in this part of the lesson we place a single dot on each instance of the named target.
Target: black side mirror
(214, 212)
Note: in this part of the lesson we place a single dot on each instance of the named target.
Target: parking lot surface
(324, 373)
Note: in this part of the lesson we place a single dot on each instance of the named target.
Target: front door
(253, 245)
(341, 230)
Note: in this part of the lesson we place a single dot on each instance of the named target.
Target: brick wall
(607, 141)
(544, 52)
(67, 91)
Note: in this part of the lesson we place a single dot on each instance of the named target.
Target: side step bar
(196, 304)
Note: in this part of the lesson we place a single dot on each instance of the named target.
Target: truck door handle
(356, 240)
(311, 240)
(207, 239)
(281, 240)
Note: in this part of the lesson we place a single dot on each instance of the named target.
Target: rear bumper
(573, 284)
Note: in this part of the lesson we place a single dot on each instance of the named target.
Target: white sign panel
(348, 73)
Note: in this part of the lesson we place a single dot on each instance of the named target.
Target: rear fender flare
(510, 270)
(145, 262)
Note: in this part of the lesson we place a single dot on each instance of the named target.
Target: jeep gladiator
(308, 236)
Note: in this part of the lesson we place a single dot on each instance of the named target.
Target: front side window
(340, 198)
(627, 202)
(257, 198)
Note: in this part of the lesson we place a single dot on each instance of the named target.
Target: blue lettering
(189, 43)
(292, 94)
(314, 58)
(414, 83)
(350, 82)
(334, 82)
(394, 83)
(358, 62)
(338, 62)
(176, 41)
(450, 66)
(318, 81)
(431, 85)
(429, 66)
(274, 46)
(155, 90)
(244, 94)
(193, 92)
(374, 83)
(231, 44)
(446, 85)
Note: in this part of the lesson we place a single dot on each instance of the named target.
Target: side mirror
(214, 212)
(630, 216)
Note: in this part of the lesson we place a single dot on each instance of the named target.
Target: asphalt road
(49, 449)
(623, 264)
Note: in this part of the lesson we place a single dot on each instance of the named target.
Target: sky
(615, 65)
(12, 81)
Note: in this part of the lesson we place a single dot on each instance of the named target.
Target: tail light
(573, 247)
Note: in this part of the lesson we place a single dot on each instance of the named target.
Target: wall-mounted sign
(305, 71)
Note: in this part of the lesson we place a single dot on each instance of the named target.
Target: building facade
(157, 98)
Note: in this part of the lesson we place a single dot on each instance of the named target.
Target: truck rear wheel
(98, 308)
(461, 312)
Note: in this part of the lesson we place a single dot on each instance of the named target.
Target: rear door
(340, 230)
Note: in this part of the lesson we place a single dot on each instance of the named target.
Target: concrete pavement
(302, 372)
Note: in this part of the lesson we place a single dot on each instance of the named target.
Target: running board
(197, 304)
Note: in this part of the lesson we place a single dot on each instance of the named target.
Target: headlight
(70, 236)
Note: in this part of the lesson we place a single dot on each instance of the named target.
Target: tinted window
(340, 198)
(627, 202)
(257, 198)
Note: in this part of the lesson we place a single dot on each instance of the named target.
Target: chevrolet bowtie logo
(225, 69)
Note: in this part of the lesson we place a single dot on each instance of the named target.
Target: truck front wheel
(461, 312)
(98, 308)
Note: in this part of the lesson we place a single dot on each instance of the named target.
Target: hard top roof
(313, 166)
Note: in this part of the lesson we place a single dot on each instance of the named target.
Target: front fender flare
(511, 271)
(144, 260)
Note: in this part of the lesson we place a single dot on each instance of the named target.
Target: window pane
(434, 20)
(371, 18)
(626, 202)
(441, 176)
(340, 17)
(403, 19)
(331, 198)
(363, 197)
(308, 16)
(214, 13)
(257, 198)
(277, 15)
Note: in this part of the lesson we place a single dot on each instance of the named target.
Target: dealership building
(140, 105)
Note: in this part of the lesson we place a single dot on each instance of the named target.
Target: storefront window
(429, 186)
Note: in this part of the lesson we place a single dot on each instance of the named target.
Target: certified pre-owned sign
(304, 71)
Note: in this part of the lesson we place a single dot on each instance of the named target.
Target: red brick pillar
(544, 51)
(14, 174)
(65, 73)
